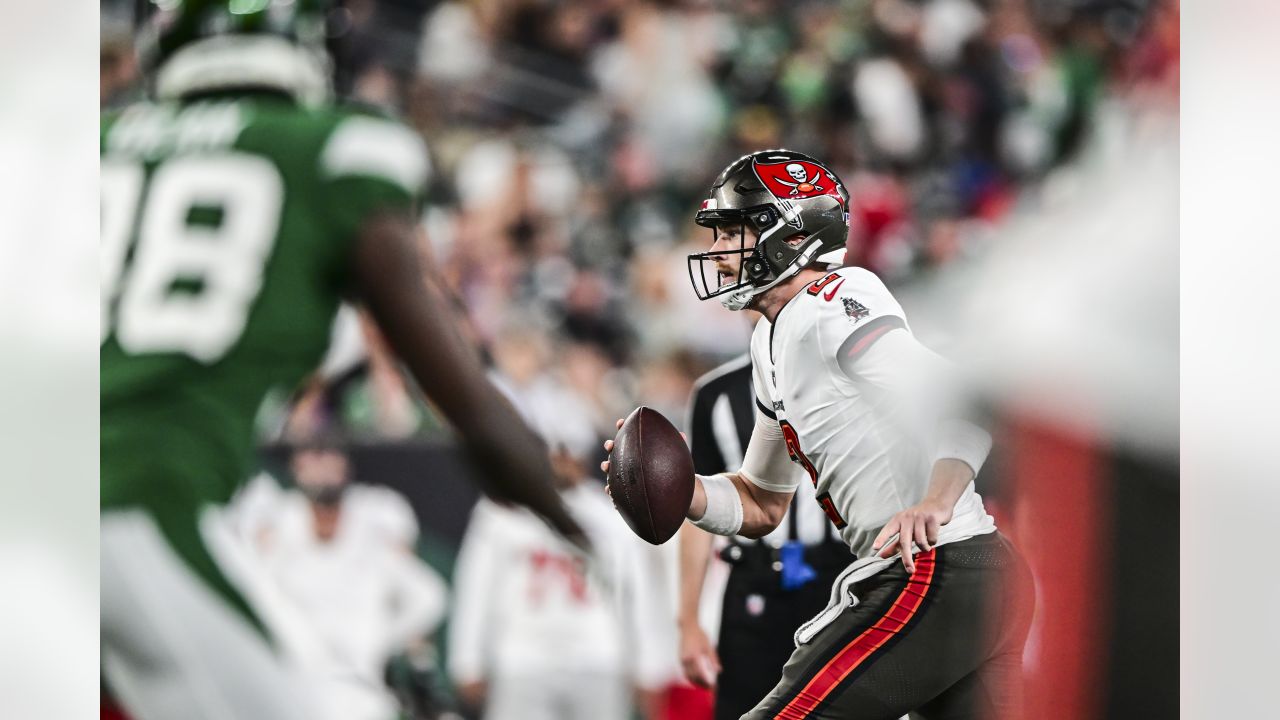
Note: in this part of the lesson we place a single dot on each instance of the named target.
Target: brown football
(651, 475)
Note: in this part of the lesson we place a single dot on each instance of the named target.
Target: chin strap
(738, 299)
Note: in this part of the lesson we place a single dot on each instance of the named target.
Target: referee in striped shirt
(775, 583)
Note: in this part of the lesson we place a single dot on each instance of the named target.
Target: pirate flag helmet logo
(796, 179)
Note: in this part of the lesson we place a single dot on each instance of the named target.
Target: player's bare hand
(604, 465)
(698, 657)
(918, 525)
(608, 446)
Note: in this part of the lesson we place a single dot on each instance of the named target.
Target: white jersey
(854, 411)
(365, 597)
(525, 604)
(265, 514)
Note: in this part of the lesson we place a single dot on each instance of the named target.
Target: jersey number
(549, 569)
(189, 286)
(797, 456)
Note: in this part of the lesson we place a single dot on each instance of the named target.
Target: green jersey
(227, 229)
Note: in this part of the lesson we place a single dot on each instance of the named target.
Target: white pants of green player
(559, 696)
(173, 648)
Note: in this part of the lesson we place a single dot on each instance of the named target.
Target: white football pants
(172, 648)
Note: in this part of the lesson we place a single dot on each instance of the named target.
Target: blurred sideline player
(536, 633)
(264, 514)
(238, 207)
(933, 615)
(775, 583)
(342, 555)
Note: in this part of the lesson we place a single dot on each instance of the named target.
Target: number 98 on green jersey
(227, 228)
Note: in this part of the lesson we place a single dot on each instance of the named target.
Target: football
(651, 475)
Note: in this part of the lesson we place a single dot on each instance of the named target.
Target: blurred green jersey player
(239, 206)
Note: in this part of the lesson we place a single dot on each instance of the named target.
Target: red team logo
(797, 179)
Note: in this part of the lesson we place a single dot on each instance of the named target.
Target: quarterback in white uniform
(838, 367)
(933, 615)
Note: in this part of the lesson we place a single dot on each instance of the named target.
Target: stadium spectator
(569, 139)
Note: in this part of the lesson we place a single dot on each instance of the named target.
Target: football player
(933, 615)
(239, 205)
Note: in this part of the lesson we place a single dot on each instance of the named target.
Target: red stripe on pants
(863, 646)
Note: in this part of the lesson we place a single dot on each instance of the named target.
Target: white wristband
(723, 515)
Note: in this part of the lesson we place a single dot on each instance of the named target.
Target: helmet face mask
(704, 270)
(798, 210)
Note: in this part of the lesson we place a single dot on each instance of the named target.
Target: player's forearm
(695, 556)
(946, 483)
(768, 508)
(512, 461)
(962, 449)
(761, 510)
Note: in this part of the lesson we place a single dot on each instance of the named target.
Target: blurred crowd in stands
(572, 140)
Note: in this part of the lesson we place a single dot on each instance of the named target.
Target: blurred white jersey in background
(358, 598)
(550, 634)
